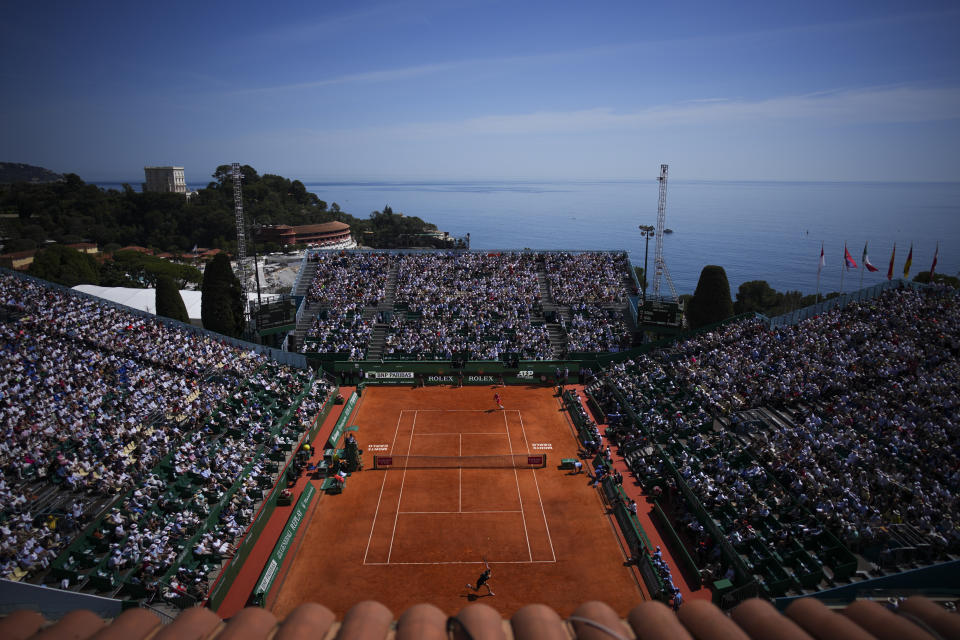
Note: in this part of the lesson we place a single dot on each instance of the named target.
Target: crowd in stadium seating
(485, 305)
(468, 302)
(344, 284)
(213, 483)
(111, 329)
(71, 410)
(339, 331)
(349, 281)
(876, 438)
(594, 328)
(869, 396)
(92, 398)
(592, 277)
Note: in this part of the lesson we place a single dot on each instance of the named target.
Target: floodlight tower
(658, 262)
(241, 232)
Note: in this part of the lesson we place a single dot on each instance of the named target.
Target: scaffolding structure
(241, 232)
(659, 264)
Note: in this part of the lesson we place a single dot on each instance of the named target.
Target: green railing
(684, 556)
(272, 568)
(225, 580)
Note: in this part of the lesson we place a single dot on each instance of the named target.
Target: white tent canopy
(146, 299)
(143, 299)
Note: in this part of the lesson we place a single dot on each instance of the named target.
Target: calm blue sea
(756, 230)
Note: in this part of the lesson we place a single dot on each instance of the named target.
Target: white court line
(464, 410)
(516, 477)
(403, 479)
(382, 485)
(449, 512)
(473, 562)
(539, 497)
(463, 433)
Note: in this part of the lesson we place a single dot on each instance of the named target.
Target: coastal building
(165, 180)
(85, 247)
(19, 260)
(326, 235)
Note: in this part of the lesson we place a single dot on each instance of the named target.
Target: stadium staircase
(306, 321)
(304, 280)
(379, 336)
(551, 312)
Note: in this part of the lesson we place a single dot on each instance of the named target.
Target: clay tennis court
(408, 535)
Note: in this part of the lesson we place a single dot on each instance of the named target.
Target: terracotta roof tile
(252, 623)
(192, 624)
(310, 620)
(132, 623)
(538, 621)
(368, 620)
(760, 620)
(479, 621)
(937, 618)
(76, 625)
(592, 620)
(602, 617)
(321, 227)
(422, 622)
(819, 621)
(20, 624)
(704, 620)
(655, 621)
(883, 623)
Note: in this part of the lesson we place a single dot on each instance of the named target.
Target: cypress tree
(221, 307)
(169, 302)
(711, 301)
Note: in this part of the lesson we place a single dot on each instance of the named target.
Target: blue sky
(486, 89)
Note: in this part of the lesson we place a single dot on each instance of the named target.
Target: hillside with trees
(19, 172)
(72, 210)
(69, 267)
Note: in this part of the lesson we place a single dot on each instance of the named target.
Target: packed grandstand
(483, 305)
(99, 402)
(800, 455)
(136, 452)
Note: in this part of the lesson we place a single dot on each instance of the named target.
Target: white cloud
(366, 77)
(404, 73)
(878, 105)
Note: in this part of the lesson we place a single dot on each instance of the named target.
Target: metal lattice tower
(241, 231)
(659, 264)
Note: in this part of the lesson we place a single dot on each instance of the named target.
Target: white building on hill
(165, 180)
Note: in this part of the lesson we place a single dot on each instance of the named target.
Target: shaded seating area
(769, 449)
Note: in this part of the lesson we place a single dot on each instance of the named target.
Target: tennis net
(501, 461)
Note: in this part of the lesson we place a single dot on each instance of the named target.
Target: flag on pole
(933, 267)
(906, 266)
(866, 260)
(892, 256)
(848, 259)
(819, 267)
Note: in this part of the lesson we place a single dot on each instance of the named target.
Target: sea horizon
(756, 229)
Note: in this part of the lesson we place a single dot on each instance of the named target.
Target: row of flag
(850, 263)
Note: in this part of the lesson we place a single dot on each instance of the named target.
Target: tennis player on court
(482, 580)
(496, 398)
